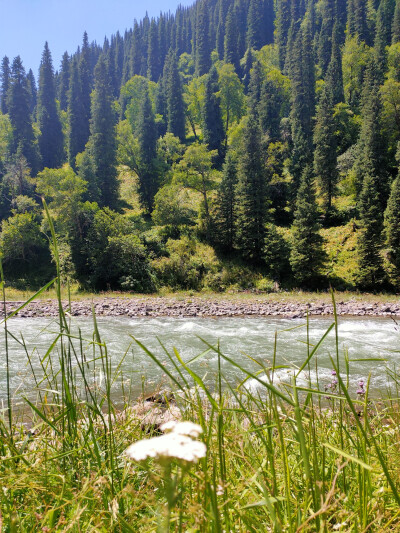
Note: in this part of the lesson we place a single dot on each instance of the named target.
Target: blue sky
(25, 25)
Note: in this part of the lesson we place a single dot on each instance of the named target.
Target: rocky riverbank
(199, 307)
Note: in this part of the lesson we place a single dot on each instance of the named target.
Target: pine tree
(371, 145)
(383, 35)
(85, 88)
(103, 136)
(51, 141)
(153, 54)
(226, 205)
(392, 229)
(18, 106)
(255, 25)
(213, 128)
(255, 85)
(76, 116)
(5, 83)
(370, 274)
(270, 110)
(147, 136)
(63, 85)
(307, 256)
(252, 201)
(276, 253)
(302, 105)
(283, 22)
(174, 97)
(334, 73)
(396, 24)
(136, 54)
(231, 54)
(203, 49)
(325, 158)
(248, 65)
(357, 20)
(32, 90)
(325, 35)
(268, 22)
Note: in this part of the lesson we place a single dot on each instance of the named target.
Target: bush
(188, 265)
(24, 248)
(108, 254)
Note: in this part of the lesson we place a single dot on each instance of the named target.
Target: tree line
(243, 127)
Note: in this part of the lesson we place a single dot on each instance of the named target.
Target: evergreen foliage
(172, 86)
(85, 89)
(307, 257)
(18, 105)
(325, 156)
(252, 202)
(225, 216)
(5, 83)
(213, 128)
(32, 90)
(370, 265)
(211, 68)
(392, 229)
(63, 81)
(147, 168)
(51, 139)
(76, 116)
(103, 137)
(203, 49)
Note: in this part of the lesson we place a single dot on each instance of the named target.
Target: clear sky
(25, 25)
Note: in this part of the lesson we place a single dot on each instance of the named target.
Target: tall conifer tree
(255, 22)
(307, 256)
(396, 23)
(213, 128)
(371, 160)
(252, 200)
(203, 49)
(174, 97)
(103, 136)
(370, 275)
(153, 53)
(63, 83)
(325, 158)
(383, 34)
(51, 141)
(226, 205)
(18, 106)
(85, 88)
(147, 136)
(32, 90)
(5, 83)
(231, 53)
(334, 74)
(76, 116)
(392, 229)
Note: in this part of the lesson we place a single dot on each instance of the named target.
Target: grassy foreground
(281, 458)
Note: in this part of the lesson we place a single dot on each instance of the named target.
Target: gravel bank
(196, 307)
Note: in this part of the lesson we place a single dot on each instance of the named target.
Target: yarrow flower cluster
(177, 443)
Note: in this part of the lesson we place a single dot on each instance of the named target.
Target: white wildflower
(336, 527)
(173, 445)
(220, 490)
(182, 428)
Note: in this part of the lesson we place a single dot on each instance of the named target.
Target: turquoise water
(246, 340)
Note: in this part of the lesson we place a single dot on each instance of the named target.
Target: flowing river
(372, 346)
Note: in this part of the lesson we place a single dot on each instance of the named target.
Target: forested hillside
(235, 144)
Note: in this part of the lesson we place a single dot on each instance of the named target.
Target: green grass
(282, 458)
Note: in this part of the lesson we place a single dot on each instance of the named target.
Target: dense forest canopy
(235, 143)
